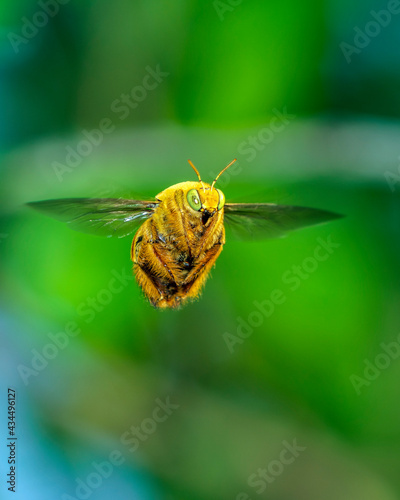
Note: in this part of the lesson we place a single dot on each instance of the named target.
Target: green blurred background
(321, 370)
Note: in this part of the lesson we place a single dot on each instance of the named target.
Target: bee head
(207, 199)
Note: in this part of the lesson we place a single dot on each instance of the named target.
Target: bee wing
(101, 216)
(266, 220)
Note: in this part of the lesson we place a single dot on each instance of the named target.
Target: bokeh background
(306, 96)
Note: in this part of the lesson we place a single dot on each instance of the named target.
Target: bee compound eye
(193, 199)
(221, 201)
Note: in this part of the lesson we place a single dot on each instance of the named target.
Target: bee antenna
(197, 172)
(222, 171)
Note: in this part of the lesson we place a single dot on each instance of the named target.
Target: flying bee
(180, 234)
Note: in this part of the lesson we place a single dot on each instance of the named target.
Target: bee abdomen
(171, 268)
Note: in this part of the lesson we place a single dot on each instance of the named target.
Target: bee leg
(154, 273)
(146, 284)
(199, 274)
